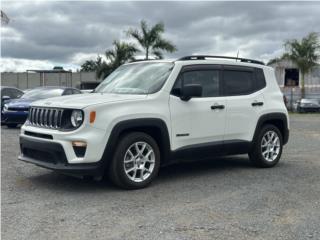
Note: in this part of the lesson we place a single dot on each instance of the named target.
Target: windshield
(140, 78)
(42, 93)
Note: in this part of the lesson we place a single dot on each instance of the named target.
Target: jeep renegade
(151, 113)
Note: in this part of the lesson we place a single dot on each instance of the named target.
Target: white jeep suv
(151, 113)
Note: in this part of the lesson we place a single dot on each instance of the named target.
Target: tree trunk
(302, 85)
(147, 53)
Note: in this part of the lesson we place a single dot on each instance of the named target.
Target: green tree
(121, 53)
(91, 65)
(151, 40)
(304, 53)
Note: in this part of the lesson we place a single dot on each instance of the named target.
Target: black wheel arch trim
(139, 124)
(265, 118)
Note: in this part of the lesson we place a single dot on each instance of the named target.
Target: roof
(205, 57)
(194, 59)
(49, 71)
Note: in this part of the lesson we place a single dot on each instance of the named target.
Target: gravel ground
(223, 198)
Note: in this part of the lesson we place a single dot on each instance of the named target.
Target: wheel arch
(280, 120)
(154, 127)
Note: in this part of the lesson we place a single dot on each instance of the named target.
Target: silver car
(308, 105)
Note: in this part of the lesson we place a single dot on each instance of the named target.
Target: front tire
(136, 161)
(267, 148)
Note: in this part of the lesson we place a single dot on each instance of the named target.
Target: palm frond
(158, 54)
(150, 39)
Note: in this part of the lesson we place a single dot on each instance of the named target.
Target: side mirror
(5, 98)
(189, 91)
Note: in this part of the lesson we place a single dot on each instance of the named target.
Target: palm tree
(304, 54)
(150, 39)
(121, 53)
(91, 65)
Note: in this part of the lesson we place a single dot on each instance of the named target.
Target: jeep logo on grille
(47, 103)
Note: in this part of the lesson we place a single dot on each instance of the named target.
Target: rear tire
(267, 147)
(12, 125)
(136, 161)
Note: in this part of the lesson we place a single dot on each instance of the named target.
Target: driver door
(200, 120)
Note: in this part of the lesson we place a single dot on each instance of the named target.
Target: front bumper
(14, 117)
(51, 155)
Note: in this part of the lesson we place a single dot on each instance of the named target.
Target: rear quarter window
(260, 79)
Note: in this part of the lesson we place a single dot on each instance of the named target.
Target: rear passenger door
(243, 89)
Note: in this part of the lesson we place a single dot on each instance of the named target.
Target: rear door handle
(256, 103)
(213, 107)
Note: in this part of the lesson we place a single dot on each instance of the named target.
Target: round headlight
(76, 118)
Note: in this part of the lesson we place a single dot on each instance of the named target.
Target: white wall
(23, 80)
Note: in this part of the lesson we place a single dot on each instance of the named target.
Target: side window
(208, 79)
(5, 92)
(67, 92)
(238, 82)
(75, 91)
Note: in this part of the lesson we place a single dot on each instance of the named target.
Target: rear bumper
(51, 155)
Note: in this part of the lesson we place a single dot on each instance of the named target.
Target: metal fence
(294, 93)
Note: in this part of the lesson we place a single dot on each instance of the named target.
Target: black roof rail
(203, 57)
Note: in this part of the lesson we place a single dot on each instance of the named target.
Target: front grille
(45, 117)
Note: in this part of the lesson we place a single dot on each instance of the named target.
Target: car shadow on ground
(182, 171)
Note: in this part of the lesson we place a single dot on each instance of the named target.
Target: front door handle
(213, 107)
(256, 103)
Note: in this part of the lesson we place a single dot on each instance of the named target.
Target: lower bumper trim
(51, 155)
(88, 169)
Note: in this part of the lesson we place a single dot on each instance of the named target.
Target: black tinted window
(5, 92)
(238, 82)
(76, 91)
(208, 79)
(260, 79)
(67, 92)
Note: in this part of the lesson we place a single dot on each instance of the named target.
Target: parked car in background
(87, 86)
(7, 94)
(16, 111)
(307, 105)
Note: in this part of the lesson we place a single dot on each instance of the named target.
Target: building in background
(289, 80)
(54, 77)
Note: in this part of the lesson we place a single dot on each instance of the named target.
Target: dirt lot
(224, 198)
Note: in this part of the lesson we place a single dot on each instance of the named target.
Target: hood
(20, 103)
(85, 100)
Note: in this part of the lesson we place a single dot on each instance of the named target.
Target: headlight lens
(5, 107)
(76, 118)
